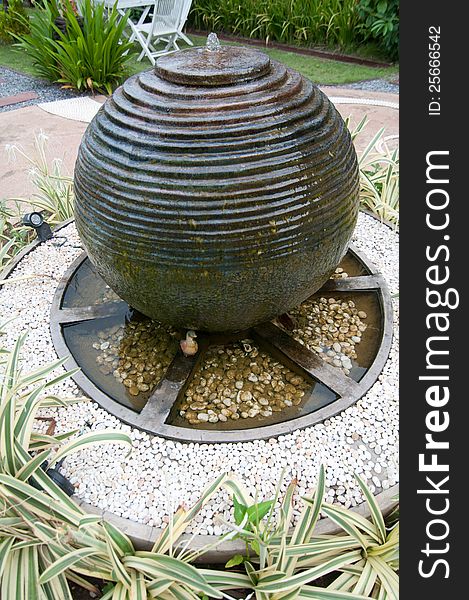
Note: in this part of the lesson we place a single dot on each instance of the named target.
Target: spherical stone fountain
(217, 191)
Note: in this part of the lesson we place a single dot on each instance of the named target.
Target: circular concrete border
(144, 536)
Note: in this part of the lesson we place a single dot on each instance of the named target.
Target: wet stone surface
(235, 98)
(137, 354)
(240, 382)
(331, 328)
(108, 295)
(339, 274)
(213, 65)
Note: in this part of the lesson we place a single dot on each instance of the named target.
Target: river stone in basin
(216, 191)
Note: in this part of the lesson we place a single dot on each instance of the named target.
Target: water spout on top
(213, 43)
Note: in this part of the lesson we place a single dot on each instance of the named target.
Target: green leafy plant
(47, 541)
(53, 197)
(54, 191)
(39, 45)
(379, 179)
(250, 517)
(306, 22)
(12, 237)
(31, 504)
(379, 175)
(381, 23)
(91, 54)
(14, 21)
(363, 559)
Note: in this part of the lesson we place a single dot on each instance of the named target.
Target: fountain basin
(269, 380)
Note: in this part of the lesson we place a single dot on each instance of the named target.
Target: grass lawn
(18, 60)
(319, 70)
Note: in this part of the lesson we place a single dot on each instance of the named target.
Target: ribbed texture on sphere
(216, 207)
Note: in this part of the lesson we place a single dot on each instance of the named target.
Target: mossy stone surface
(216, 206)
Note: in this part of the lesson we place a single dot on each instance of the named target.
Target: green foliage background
(13, 21)
(346, 24)
(381, 23)
(89, 55)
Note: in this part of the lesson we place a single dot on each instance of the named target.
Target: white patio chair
(166, 23)
(123, 6)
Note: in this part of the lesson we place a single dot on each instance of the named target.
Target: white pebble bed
(161, 474)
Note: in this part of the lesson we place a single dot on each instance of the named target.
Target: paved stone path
(13, 85)
(17, 99)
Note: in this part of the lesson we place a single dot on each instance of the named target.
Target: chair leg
(136, 35)
(146, 51)
(171, 43)
(185, 38)
(143, 44)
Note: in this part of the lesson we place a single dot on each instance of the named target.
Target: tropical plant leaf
(375, 511)
(387, 577)
(366, 581)
(166, 567)
(316, 593)
(225, 580)
(234, 561)
(90, 439)
(354, 519)
(309, 575)
(239, 511)
(346, 524)
(5, 548)
(64, 563)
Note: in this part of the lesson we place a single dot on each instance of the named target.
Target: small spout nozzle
(213, 43)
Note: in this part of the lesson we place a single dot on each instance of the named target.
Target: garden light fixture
(36, 221)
